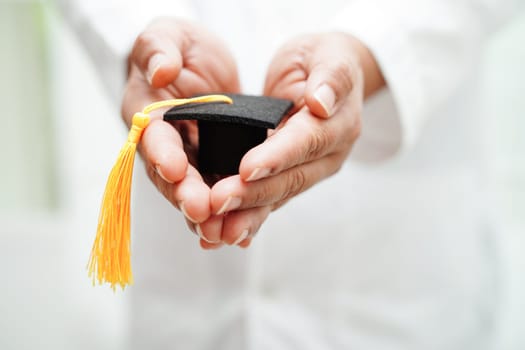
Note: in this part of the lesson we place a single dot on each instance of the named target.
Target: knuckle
(146, 45)
(342, 75)
(145, 39)
(337, 161)
(319, 142)
(262, 196)
(316, 139)
(279, 204)
(296, 183)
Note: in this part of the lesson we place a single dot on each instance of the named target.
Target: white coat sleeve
(108, 28)
(424, 49)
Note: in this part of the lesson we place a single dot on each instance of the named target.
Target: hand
(174, 59)
(325, 76)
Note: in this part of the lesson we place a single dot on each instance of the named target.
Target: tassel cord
(110, 259)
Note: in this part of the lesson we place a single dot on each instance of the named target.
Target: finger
(209, 246)
(162, 149)
(290, 87)
(190, 83)
(243, 224)
(210, 230)
(332, 70)
(286, 77)
(190, 195)
(246, 243)
(191, 226)
(157, 54)
(232, 193)
(303, 138)
(204, 242)
(138, 94)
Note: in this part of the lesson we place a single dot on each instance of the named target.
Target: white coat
(396, 251)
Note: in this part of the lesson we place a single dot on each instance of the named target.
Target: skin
(170, 59)
(328, 76)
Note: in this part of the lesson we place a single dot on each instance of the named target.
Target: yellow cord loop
(138, 124)
(110, 260)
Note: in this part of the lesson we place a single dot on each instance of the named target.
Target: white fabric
(108, 29)
(399, 254)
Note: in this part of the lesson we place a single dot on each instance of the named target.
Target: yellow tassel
(110, 260)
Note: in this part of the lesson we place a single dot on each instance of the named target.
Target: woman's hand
(177, 59)
(325, 76)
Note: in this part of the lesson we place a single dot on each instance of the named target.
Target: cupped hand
(325, 77)
(177, 59)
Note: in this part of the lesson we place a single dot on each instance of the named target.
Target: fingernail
(230, 204)
(183, 209)
(242, 237)
(258, 173)
(215, 246)
(201, 235)
(325, 95)
(159, 171)
(153, 65)
(192, 228)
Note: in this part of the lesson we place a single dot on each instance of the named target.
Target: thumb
(157, 53)
(331, 75)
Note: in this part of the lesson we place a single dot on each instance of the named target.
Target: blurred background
(60, 134)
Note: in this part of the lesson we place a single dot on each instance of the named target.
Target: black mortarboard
(228, 131)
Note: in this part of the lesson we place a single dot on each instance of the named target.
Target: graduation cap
(228, 127)
(228, 131)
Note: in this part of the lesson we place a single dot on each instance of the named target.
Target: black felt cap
(228, 131)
